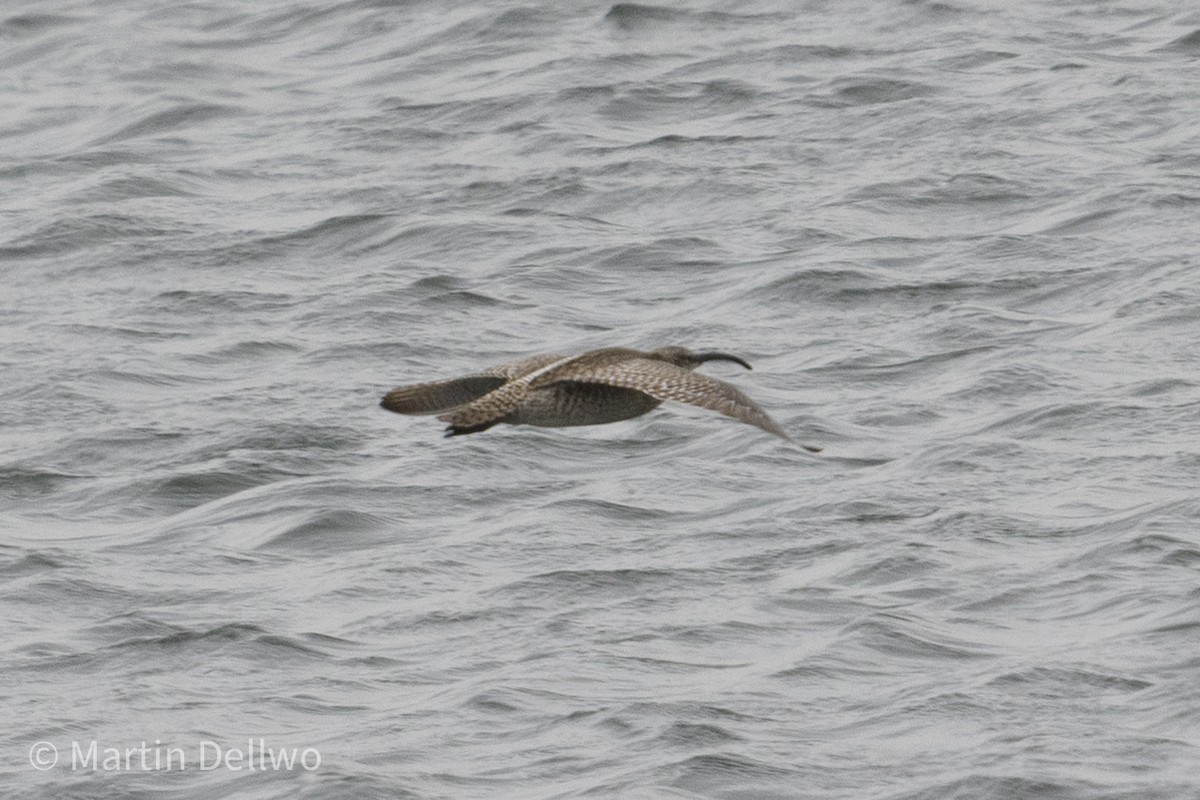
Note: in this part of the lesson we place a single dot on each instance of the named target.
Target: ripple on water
(330, 531)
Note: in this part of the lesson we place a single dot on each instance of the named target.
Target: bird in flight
(599, 386)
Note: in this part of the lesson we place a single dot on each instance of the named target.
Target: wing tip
(774, 427)
(403, 400)
(388, 401)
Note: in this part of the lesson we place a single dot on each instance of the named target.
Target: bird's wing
(517, 369)
(579, 368)
(485, 411)
(437, 397)
(664, 381)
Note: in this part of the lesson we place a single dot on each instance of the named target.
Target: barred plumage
(596, 387)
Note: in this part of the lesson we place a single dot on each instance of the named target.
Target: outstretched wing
(664, 381)
(437, 397)
(484, 412)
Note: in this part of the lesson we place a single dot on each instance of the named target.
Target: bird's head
(682, 357)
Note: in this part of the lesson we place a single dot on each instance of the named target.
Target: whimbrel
(555, 391)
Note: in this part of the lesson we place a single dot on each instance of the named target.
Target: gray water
(956, 240)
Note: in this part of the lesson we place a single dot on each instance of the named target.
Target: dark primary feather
(439, 396)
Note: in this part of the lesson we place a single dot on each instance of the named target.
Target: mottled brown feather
(622, 368)
(437, 397)
(515, 369)
(496, 405)
(664, 381)
(489, 409)
(552, 390)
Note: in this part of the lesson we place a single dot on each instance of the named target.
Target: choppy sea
(957, 240)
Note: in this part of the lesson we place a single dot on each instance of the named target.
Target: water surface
(957, 242)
